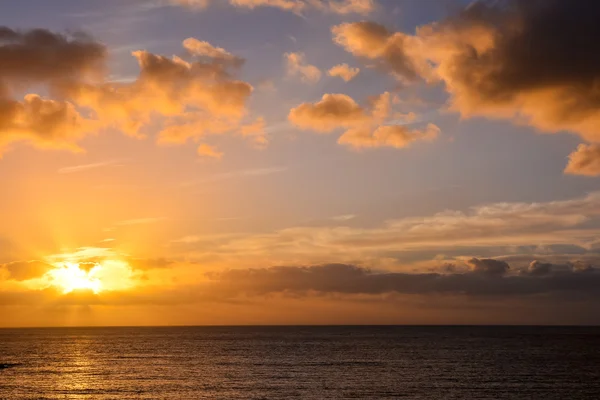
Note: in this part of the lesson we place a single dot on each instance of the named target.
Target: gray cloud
(487, 279)
(538, 268)
(489, 266)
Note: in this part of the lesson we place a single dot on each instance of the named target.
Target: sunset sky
(194, 162)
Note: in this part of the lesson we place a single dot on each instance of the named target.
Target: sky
(233, 162)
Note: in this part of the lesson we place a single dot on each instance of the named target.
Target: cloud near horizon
(558, 231)
(338, 280)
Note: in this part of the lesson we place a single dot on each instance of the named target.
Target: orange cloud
(584, 161)
(331, 112)
(201, 48)
(43, 123)
(206, 150)
(255, 132)
(344, 71)
(188, 98)
(39, 57)
(501, 61)
(192, 99)
(25, 270)
(364, 125)
(296, 6)
(351, 6)
(341, 7)
(396, 136)
(166, 87)
(393, 51)
(297, 66)
(196, 4)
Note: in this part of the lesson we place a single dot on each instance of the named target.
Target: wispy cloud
(237, 174)
(345, 217)
(85, 167)
(139, 221)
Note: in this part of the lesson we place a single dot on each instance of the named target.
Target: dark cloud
(243, 286)
(487, 279)
(581, 266)
(39, 55)
(534, 62)
(489, 266)
(543, 62)
(538, 268)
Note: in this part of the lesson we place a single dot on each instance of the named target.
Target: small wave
(8, 365)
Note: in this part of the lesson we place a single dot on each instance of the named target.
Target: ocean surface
(301, 363)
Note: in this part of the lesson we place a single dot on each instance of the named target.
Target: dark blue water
(301, 363)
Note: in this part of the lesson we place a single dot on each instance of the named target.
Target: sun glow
(70, 277)
(103, 276)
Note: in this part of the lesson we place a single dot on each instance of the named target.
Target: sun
(69, 277)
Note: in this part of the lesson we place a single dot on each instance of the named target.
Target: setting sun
(70, 277)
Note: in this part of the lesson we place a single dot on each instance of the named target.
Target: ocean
(411, 362)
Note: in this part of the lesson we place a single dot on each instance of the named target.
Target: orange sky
(298, 162)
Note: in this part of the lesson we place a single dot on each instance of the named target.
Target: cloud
(139, 221)
(195, 4)
(204, 49)
(43, 123)
(342, 7)
(296, 6)
(183, 99)
(528, 230)
(363, 124)
(489, 266)
(352, 6)
(255, 132)
(40, 58)
(396, 136)
(146, 264)
(25, 270)
(297, 66)
(584, 161)
(86, 167)
(332, 280)
(538, 268)
(351, 279)
(186, 93)
(188, 99)
(344, 71)
(331, 112)
(343, 218)
(209, 151)
(502, 60)
(374, 42)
